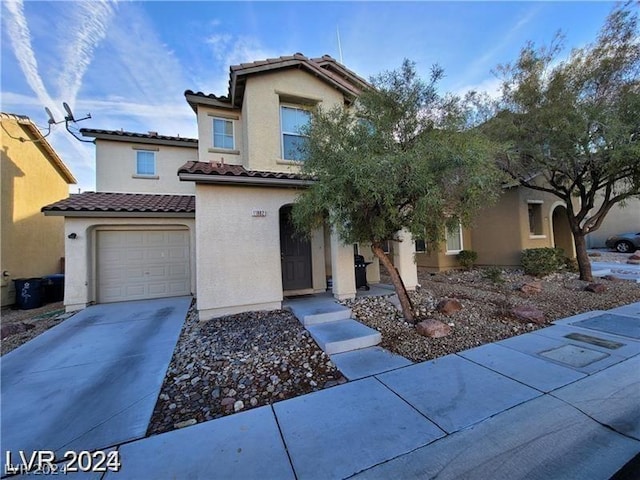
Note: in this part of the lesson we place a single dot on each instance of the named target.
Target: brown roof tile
(216, 169)
(92, 132)
(124, 202)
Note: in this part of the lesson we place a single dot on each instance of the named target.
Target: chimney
(153, 134)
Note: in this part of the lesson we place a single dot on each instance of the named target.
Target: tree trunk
(584, 264)
(405, 302)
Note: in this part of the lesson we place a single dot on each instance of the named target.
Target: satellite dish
(52, 121)
(69, 112)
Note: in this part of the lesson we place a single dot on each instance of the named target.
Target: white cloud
(90, 21)
(20, 35)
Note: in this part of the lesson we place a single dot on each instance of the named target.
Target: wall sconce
(72, 236)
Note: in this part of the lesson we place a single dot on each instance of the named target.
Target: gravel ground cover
(486, 308)
(20, 326)
(237, 362)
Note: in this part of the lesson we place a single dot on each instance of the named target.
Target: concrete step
(314, 311)
(367, 362)
(343, 336)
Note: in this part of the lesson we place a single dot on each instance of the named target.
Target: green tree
(399, 158)
(575, 124)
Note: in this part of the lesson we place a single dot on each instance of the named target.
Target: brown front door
(295, 253)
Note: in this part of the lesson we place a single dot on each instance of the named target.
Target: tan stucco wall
(261, 113)
(80, 285)
(206, 152)
(496, 233)
(438, 260)
(116, 168)
(32, 244)
(501, 232)
(239, 264)
(618, 220)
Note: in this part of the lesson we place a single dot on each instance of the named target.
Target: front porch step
(344, 336)
(314, 311)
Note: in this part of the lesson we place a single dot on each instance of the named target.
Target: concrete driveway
(92, 381)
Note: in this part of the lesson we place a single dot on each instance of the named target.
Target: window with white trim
(145, 163)
(223, 133)
(292, 120)
(454, 239)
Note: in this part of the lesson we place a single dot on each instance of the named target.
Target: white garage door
(140, 264)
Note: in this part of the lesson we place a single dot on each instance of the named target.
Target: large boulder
(433, 328)
(528, 314)
(595, 288)
(449, 306)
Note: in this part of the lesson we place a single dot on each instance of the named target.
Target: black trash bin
(53, 287)
(28, 293)
(361, 272)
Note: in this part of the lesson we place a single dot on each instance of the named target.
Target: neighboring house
(222, 230)
(522, 218)
(620, 219)
(33, 175)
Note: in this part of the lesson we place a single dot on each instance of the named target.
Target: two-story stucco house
(210, 216)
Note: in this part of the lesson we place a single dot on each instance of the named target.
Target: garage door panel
(134, 265)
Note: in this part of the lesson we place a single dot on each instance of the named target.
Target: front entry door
(295, 254)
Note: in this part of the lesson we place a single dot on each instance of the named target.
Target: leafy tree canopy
(399, 158)
(576, 123)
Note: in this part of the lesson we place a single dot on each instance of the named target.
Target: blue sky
(128, 63)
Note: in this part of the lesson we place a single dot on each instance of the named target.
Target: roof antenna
(339, 44)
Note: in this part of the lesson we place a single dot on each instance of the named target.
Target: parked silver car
(625, 242)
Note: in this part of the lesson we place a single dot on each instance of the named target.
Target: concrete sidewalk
(561, 402)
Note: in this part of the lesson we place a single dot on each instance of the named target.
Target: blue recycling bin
(28, 293)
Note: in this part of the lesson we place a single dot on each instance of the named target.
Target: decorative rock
(595, 288)
(611, 278)
(253, 401)
(173, 406)
(195, 380)
(186, 376)
(237, 406)
(531, 288)
(526, 314)
(449, 306)
(227, 401)
(164, 396)
(186, 423)
(433, 328)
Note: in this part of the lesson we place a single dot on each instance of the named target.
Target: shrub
(467, 258)
(542, 261)
(494, 274)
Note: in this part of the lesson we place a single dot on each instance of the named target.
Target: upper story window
(292, 119)
(145, 163)
(454, 239)
(223, 134)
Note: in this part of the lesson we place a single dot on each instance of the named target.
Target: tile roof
(217, 169)
(325, 68)
(124, 202)
(92, 132)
